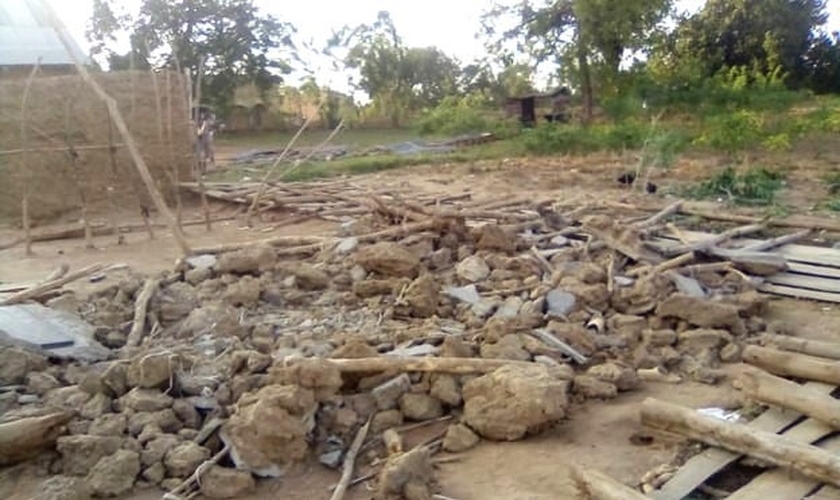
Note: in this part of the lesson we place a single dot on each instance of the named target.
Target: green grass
(357, 138)
(755, 187)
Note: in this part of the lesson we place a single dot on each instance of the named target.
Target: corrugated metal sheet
(25, 35)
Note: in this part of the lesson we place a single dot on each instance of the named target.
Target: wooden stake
(350, 462)
(806, 459)
(173, 164)
(769, 389)
(803, 346)
(140, 307)
(793, 365)
(41, 288)
(25, 175)
(202, 165)
(128, 139)
(428, 365)
(596, 485)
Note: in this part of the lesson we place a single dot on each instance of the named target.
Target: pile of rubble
(243, 364)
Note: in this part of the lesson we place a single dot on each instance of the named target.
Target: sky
(450, 25)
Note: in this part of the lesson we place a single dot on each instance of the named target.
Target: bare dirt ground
(597, 434)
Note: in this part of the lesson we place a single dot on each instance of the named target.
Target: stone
(176, 301)
(347, 245)
(221, 482)
(459, 438)
(731, 353)
(447, 389)
(623, 377)
(422, 297)
(196, 276)
(420, 406)
(154, 473)
(388, 394)
(354, 348)
(166, 420)
(81, 452)
(697, 340)
(472, 269)
(157, 448)
(440, 259)
(495, 239)
(243, 292)
(560, 302)
(307, 277)
(269, 429)
(702, 312)
(630, 327)
(28, 399)
(187, 414)
(509, 308)
(115, 379)
(205, 261)
(152, 371)
(115, 474)
(331, 459)
(385, 420)
(508, 347)
(249, 260)
(592, 388)
(110, 424)
(484, 308)
(41, 383)
(146, 400)
(404, 469)
(63, 488)
(16, 363)
(184, 459)
(388, 259)
(97, 406)
(659, 338)
(468, 294)
(514, 401)
(71, 397)
(217, 318)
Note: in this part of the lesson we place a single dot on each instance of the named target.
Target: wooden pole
(128, 139)
(350, 463)
(176, 170)
(202, 162)
(769, 389)
(430, 365)
(25, 175)
(793, 365)
(596, 485)
(803, 346)
(39, 289)
(141, 305)
(806, 459)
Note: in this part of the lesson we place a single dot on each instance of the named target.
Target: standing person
(205, 140)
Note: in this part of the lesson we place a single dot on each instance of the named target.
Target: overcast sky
(450, 25)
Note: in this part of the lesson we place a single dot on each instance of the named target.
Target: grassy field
(356, 138)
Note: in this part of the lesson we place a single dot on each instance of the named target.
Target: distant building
(26, 35)
(526, 108)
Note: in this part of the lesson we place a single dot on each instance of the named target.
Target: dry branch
(715, 240)
(42, 288)
(804, 346)
(746, 219)
(140, 307)
(350, 462)
(793, 365)
(679, 261)
(596, 485)
(777, 242)
(428, 365)
(659, 217)
(769, 389)
(116, 116)
(806, 459)
(278, 241)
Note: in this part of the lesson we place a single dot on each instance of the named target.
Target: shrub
(757, 186)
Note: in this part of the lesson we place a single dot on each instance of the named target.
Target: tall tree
(576, 35)
(767, 34)
(238, 44)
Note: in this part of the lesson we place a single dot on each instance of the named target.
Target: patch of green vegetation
(356, 137)
(755, 187)
(832, 182)
(833, 205)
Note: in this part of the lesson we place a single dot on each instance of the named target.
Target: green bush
(755, 187)
(463, 115)
(732, 132)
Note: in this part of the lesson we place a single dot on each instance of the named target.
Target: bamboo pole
(769, 389)
(806, 459)
(116, 116)
(24, 171)
(57, 149)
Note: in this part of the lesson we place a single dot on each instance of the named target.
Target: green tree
(760, 34)
(236, 42)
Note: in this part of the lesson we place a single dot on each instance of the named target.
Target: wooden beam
(819, 348)
(793, 365)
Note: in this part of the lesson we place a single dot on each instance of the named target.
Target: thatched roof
(26, 35)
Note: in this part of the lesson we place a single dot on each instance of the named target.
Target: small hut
(552, 106)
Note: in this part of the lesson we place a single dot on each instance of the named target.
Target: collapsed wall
(66, 149)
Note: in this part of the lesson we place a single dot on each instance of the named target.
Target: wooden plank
(704, 465)
(812, 270)
(799, 293)
(808, 282)
(827, 492)
(781, 484)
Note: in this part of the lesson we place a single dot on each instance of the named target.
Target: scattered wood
(803, 346)
(350, 462)
(596, 485)
(808, 460)
(793, 365)
(430, 365)
(680, 261)
(777, 242)
(813, 224)
(42, 288)
(707, 244)
(660, 216)
(26, 438)
(277, 241)
(135, 335)
(769, 389)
